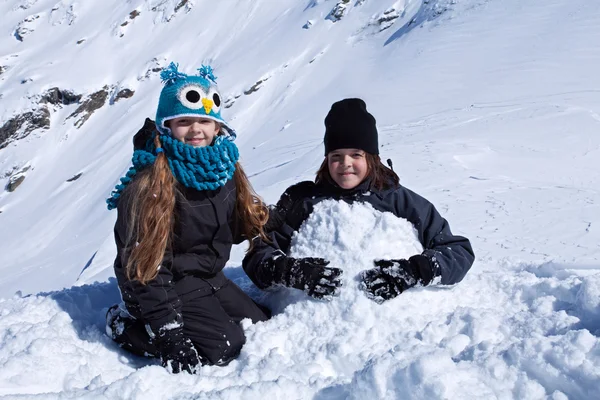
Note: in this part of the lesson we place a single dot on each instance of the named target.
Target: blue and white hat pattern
(190, 96)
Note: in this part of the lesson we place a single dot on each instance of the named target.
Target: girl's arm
(449, 255)
(256, 260)
(267, 263)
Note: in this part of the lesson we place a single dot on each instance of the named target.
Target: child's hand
(390, 278)
(310, 275)
(177, 352)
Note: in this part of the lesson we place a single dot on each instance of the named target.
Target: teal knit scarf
(200, 168)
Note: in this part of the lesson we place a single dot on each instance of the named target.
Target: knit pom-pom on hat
(171, 74)
(190, 96)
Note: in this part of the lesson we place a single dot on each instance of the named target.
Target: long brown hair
(381, 176)
(151, 216)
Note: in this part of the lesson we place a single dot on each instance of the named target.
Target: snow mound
(506, 331)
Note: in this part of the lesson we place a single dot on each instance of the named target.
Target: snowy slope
(490, 109)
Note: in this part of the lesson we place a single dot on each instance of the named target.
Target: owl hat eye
(214, 95)
(190, 95)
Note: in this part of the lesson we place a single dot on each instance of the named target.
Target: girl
(352, 171)
(181, 206)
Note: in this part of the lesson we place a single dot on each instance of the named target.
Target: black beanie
(348, 125)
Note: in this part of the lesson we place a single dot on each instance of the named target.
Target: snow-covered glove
(389, 278)
(308, 274)
(177, 352)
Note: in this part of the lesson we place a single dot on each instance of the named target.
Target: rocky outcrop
(256, 86)
(22, 125)
(121, 94)
(153, 67)
(183, 3)
(25, 4)
(386, 19)
(120, 30)
(17, 178)
(169, 8)
(91, 103)
(26, 27)
(60, 97)
(75, 177)
(230, 100)
(338, 11)
(63, 14)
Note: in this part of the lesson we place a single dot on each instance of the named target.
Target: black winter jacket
(205, 226)
(450, 256)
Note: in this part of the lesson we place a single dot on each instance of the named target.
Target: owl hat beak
(208, 105)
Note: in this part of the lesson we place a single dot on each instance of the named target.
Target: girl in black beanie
(353, 172)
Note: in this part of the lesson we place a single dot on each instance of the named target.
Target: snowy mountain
(489, 108)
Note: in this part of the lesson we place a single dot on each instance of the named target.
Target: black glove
(308, 274)
(176, 351)
(389, 278)
(144, 135)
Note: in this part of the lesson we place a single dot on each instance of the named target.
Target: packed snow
(488, 108)
(523, 332)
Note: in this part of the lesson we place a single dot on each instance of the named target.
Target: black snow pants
(211, 320)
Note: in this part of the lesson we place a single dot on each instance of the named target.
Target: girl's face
(195, 131)
(347, 167)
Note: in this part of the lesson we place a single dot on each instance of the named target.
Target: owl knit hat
(190, 96)
(200, 168)
(349, 125)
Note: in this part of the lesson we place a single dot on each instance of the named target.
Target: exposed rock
(80, 41)
(316, 57)
(93, 102)
(57, 96)
(61, 14)
(181, 4)
(338, 11)
(26, 80)
(14, 183)
(26, 27)
(134, 14)
(25, 4)
(256, 86)
(16, 179)
(2, 69)
(75, 177)
(122, 94)
(308, 24)
(387, 18)
(125, 23)
(22, 125)
(153, 67)
(169, 11)
(230, 100)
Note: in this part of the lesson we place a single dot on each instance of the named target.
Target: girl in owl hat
(353, 172)
(180, 207)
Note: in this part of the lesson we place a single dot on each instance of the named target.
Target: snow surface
(488, 108)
